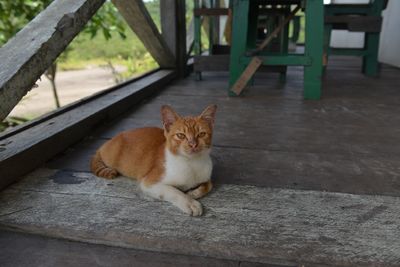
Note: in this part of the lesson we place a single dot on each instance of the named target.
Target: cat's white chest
(186, 173)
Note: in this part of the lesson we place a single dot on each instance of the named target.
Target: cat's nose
(193, 143)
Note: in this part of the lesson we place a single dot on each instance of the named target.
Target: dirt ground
(71, 85)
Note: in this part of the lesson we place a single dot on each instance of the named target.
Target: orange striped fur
(156, 158)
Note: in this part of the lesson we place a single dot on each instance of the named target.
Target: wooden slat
(45, 251)
(241, 223)
(246, 75)
(284, 165)
(221, 63)
(355, 23)
(211, 11)
(26, 56)
(256, 62)
(277, 30)
(190, 37)
(140, 21)
(25, 150)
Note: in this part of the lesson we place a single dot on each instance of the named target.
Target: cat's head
(188, 136)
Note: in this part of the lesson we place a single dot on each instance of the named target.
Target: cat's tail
(99, 168)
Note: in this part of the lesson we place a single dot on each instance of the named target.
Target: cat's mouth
(192, 151)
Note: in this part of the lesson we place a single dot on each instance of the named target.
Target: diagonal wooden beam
(24, 58)
(140, 21)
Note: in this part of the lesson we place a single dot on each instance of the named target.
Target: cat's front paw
(192, 207)
(195, 194)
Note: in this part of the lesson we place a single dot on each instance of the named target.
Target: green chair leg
(284, 43)
(327, 41)
(314, 35)
(370, 65)
(296, 29)
(371, 43)
(282, 76)
(239, 40)
(252, 32)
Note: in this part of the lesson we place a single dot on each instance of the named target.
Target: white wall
(343, 38)
(390, 37)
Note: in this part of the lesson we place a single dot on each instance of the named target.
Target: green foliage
(89, 48)
(107, 20)
(11, 121)
(14, 14)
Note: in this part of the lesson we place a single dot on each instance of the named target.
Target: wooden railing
(26, 56)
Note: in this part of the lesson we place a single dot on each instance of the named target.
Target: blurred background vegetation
(106, 41)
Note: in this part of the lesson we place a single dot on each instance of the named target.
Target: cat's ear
(209, 114)
(169, 116)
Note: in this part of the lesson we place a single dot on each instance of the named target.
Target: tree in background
(15, 14)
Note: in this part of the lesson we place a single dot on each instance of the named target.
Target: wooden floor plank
(44, 251)
(361, 174)
(271, 137)
(240, 222)
(278, 161)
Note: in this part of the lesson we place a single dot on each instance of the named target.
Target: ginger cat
(171, 164)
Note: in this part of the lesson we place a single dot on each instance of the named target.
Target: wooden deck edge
(45, 251)
(242, 223)
(22, 151)
(29, 124)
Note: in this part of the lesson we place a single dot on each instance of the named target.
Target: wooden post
(173, 29)
(140, 21)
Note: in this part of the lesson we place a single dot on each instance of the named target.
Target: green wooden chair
(262, 20)
(365, 18)
(243, 32)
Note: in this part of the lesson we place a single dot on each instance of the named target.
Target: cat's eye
(180, 135)
(202, 134)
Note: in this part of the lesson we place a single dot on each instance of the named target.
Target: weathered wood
(190, 38)
(168, 24)
(45, 251)
(355, 23)
(140, 21)
(275, 226)
(26, 56)
(278, 29)
(221, 63)
(282, 159)
(36, 145)
(218, 49)
(256, 62)
(211, 63)
(211, 11)
(173, 28)
(246, 75)
(181, 46)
